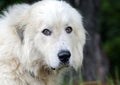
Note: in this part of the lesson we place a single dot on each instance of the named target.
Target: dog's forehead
(48, 11)
(54, 13)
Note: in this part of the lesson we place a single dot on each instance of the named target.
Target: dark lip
(64, 64)
(61, 66)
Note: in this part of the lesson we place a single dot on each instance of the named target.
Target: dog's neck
(45, 75)
(48, 76)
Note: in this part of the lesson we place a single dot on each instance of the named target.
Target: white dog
(38, 41)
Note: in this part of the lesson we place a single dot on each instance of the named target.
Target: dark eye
(46, 32)
(68, 29)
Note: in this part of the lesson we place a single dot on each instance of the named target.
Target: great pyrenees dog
(39, 41)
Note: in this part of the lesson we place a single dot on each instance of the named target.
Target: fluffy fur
(27, 56)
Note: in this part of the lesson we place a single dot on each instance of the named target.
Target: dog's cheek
(77, 52)
(76, 58)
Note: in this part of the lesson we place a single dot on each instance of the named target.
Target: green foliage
(114, 80)
(110, 18)
(110, 30)
(5, 3)
(112, 48)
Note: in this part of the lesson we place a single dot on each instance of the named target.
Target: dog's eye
(68, 29)
(47, 32)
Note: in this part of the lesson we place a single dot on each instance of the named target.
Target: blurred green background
(109, 29)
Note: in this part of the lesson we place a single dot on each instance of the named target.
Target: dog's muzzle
(64, 56)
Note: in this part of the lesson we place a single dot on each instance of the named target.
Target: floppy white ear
(17, 16)
(80, 38)
(20, 32)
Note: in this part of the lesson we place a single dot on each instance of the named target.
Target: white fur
(29, 61)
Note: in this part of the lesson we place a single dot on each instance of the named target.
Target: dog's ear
(80, 38)
(20, 32)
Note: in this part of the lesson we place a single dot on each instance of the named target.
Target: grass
(110, 80)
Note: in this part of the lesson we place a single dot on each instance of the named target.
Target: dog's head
(53, 35)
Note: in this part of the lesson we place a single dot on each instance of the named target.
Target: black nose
(64, 56)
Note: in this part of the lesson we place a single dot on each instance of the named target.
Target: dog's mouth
(61, 66)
